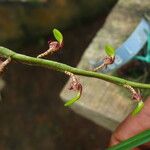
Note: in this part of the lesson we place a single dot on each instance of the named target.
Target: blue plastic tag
(130, 47)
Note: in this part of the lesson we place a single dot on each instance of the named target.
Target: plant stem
(5, 52)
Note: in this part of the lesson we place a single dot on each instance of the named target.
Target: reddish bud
(109, 60)
(106, 61)
(74, 85)
(54, 46)
(137, 96)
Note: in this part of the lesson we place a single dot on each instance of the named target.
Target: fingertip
(113, 141)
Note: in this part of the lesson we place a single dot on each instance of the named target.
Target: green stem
(5, 52)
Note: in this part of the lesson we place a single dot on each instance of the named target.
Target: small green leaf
(110, 51)
(74, 99)
(58, 35)
(138, 108)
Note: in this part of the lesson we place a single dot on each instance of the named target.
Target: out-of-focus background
(32, 115)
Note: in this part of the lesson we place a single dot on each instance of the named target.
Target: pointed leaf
(110, 51)
(74, 99)
(138, 108)
(58, 35)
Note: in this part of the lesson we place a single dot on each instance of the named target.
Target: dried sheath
(4, 64)
(53, 47)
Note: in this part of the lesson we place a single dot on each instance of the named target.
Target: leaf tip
(138, 108)
(73, 100)
(110, 51)
(58, 35)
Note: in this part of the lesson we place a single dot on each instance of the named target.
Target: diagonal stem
(5, 52)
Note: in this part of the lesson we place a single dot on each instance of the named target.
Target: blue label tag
(130, 47)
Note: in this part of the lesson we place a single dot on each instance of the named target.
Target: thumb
(132, 125)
